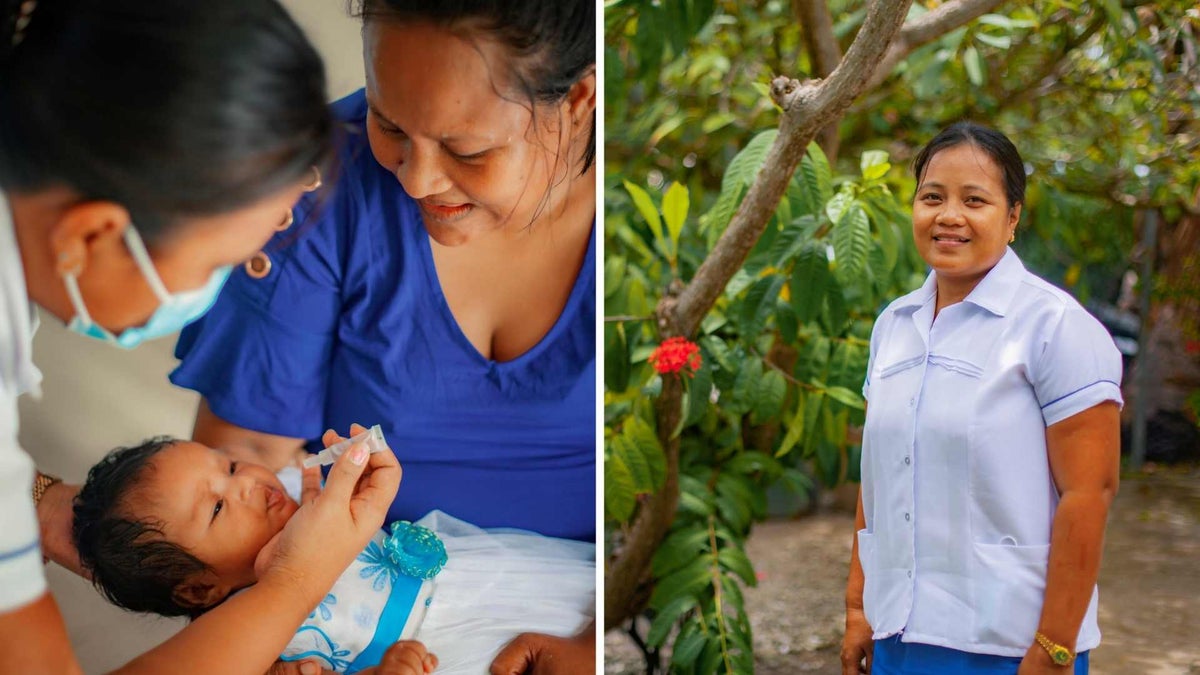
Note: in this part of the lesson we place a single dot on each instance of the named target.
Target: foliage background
(1101, 99)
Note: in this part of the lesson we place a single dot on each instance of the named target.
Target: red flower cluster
(674, 355)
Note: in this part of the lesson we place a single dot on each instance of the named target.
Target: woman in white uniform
(145, 148)
(991, 446)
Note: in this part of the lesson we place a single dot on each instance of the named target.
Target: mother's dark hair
(553, 41)
(995, 144)
(172, 108)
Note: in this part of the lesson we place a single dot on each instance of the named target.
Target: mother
(445, 289)
(991, 447)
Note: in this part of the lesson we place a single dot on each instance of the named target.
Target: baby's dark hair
(130, 562)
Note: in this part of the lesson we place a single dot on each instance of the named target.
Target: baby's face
(222, 511)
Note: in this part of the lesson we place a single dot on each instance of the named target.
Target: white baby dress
(494, 585)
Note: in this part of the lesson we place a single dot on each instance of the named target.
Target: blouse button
(907, 459)
(908, 516)
(258, 266)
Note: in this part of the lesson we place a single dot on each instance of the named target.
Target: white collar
(994, 292)
(18, 316)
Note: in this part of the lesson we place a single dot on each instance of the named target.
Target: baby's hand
(407, 657)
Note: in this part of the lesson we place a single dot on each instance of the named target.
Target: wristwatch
(1060, 655)
(41, 483)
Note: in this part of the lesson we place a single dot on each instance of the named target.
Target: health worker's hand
(56, 516)
(538, 654)
(334, 524)
(1037, 661)
(857, 646)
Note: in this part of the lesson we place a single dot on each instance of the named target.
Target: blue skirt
(893, 657)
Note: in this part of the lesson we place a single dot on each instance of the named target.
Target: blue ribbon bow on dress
(414, 550)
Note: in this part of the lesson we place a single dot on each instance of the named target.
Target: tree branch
(824, 53)
(927, 28)
(807, 108)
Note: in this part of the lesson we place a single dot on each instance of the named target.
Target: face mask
(175, 310)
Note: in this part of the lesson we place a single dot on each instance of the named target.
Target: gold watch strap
(1060, 655)
(41, 483)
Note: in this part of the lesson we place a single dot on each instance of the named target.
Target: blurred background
(1102, 99)
(99, 397)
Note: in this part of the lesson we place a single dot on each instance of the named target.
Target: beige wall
(96, 397)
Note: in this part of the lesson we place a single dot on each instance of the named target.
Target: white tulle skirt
(498, 584)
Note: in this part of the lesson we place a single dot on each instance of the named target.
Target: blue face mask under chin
(175, 310)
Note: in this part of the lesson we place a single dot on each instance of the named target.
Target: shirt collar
(994, 292)
(17, 313)
(998, 287)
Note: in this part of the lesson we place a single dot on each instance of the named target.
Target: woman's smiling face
(962, 221)
(445, 117)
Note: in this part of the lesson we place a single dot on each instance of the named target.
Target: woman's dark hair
(172, 108)
(553, 41)
(995, 144)
(130, 562)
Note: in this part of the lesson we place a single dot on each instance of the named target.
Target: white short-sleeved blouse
(957, 490)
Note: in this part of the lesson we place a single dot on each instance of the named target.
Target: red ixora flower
(674, 355)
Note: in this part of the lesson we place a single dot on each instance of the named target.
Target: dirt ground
(1149, 586)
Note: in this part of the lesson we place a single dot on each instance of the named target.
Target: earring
(315, 182)
(1012, 237)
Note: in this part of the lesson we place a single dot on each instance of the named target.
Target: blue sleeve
(260, 357)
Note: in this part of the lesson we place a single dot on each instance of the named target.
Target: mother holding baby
(444, 287)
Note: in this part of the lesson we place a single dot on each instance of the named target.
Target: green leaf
(698, 394)
(758, 305)
(835, 208)
(769, 397)
(619, 495)
(665, 620)
(974, 65)
(744, 388)
(682, 546)
(997, 41)
(873, 159)
(688, 580)
(791, 240)
(645, 206)
(643, 437)
(851, 239)
(844, 395)
(674, 210)
(735, 560)
(809, 282)
(795, 427)
(635, 462)
(717, 219)
(687, 648)
(667, 126)
(614, 274)
(714, 122)
(822, 172)
(746, 164)
(616, 357)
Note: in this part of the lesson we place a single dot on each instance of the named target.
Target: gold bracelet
(1060, 655)
(41, 483)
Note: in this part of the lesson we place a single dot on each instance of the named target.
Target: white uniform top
(956, 484)
(22, 578)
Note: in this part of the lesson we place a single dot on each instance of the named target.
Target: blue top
(350, 325)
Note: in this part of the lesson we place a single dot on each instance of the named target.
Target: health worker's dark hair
(995, 144)
(553, 42)
(131, 563)
(172, 108)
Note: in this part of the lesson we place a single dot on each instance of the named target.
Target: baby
(174, 527)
